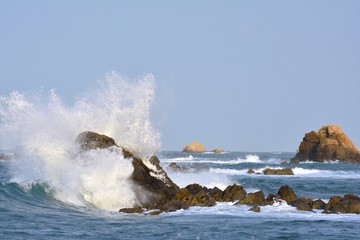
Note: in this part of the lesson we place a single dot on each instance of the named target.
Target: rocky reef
(163, 195)
(329, 143)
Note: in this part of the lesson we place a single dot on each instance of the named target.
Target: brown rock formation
(285, 171)
(329, 143)
(158, 190)
(194, 147)
(253, 199)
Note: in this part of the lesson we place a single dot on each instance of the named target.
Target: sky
(238, 75)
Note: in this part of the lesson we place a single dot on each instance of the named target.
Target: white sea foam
(248, 159)
(279, 211)
(298, 172)
(43, 131)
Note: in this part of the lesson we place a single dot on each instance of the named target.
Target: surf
(42, 129)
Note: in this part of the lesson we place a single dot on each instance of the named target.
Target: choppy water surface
(31, 209)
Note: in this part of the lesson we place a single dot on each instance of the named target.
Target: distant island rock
(329, 143)
(194, 147)
(218, 150)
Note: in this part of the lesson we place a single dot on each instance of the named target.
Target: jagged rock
(195, 195)
(329, 143)
(253, 199)
(233, 193)
(347, 204)
(287, 193)
(318, 204)
(92, 140)
(159, 188)
(218, 150)
(216, 194)
(284, 162)
(303, 204)
(255, 209)
(285, 171)
(332, 202)
(194, 147)
(270, 199)
(250, 171)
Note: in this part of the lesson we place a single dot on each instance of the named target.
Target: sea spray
(42, 130)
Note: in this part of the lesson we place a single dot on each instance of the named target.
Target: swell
(32, 194)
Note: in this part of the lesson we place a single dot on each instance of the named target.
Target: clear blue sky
(241, 75)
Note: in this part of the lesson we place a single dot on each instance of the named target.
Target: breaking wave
(42, 130)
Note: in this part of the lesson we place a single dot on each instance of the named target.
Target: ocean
(32, 210)
(49, 191)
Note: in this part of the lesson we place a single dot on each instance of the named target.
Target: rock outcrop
(329, 143)
(153, 181)
(194, 147)
(155, 191)
(284, 171)
(218, 150)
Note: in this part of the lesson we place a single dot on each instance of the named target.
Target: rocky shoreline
(163, 195)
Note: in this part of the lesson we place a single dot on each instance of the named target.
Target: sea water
(49, 191)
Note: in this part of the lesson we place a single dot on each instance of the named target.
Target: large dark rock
(153, 187)
(347, 204)
(92, 140)
(253, 199)
(303, 204)
(195, 195)
(329, 143)
(284, 171)
(233, 193)
(287, 193)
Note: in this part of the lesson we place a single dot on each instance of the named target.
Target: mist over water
(42, 130)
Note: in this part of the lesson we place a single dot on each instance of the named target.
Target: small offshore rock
(250, 171)
(218, 150)
(132, 210)
(176, 168)
(285, 171)
(194, 147)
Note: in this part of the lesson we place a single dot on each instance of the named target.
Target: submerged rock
(173, 167)
(285, 171)
(194, 147)
(329, 143)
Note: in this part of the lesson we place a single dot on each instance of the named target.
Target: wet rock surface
(163, 195)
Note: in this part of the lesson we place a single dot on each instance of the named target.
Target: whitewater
(49, 191)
